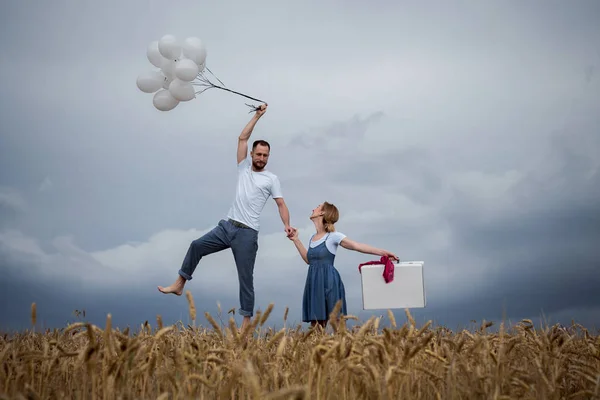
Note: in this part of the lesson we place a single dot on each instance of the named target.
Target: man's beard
(258, 165)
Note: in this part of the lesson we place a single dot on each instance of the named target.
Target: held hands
(291, 232)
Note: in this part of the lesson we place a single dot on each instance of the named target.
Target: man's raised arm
(242, 149)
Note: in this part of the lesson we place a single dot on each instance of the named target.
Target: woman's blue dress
(324, 286)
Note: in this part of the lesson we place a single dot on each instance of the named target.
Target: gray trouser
(243, 242)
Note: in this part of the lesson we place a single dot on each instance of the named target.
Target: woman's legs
(323, 323)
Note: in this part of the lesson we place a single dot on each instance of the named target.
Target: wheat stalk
(84, 361)
(33, 315)
(191, 305)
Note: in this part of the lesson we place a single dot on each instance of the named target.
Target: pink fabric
(388, 270)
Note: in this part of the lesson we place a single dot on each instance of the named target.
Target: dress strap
(324, 239)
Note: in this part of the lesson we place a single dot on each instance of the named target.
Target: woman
(324, 286)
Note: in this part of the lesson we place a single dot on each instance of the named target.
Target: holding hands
(291, 232)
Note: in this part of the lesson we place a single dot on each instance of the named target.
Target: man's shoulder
(270, 174)
(244, 163)
(243, 167)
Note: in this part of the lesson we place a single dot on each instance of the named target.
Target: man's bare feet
(176, 288)
(245, 322)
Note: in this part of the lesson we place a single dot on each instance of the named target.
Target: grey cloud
(497, 239)
(78, 285)
(131, 190)
(538, 255)
(354, 129)
(10, 199)
(590, 70)
(22, 256)
(354, 163)
(465, 99)
(56, 303)
(410, 171)
(12, 207)
(542, 253)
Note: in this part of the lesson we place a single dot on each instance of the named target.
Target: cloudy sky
(462, 134)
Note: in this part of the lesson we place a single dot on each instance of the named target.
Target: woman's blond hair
(330, 216)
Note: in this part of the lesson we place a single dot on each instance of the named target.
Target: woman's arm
(365, 248)
(300, 247)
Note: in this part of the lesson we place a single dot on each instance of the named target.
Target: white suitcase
(406, 290)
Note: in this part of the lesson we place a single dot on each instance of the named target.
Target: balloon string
(206, 82)
(241, 94)
(215, 76)
(252, 107)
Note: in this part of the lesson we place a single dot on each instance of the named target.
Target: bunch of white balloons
(179, 64)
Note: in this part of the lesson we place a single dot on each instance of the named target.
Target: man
(240, 231)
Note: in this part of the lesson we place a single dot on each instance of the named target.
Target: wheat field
(84, 361)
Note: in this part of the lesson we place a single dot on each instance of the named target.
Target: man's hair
(262, 143)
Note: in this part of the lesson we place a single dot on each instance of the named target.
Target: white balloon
(168, 47)
(164, 101)
(181, 90)
(186, 70)
(150, 82)
(154, 55)
(167, 81)
(195, 50)
(168, 68)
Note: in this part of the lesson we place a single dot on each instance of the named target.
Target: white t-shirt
(252, 192)
(332, 243)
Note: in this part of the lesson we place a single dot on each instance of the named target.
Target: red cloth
(388, 270)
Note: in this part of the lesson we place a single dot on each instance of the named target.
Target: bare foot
(245, 322)
(176, 288)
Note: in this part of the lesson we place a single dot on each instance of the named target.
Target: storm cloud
(465, 136)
